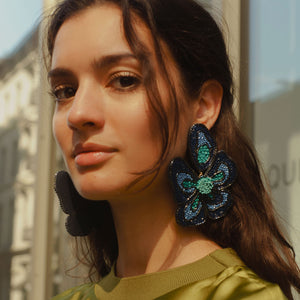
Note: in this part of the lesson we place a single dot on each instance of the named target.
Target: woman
(139, 84)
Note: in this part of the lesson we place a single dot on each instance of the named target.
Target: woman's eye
(64, 92)
(124, 81)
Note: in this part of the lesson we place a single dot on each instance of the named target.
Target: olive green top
(218, 276)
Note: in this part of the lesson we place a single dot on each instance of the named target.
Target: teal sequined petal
(218, 177)
(203, 154)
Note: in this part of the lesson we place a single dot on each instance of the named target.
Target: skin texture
(106, 132)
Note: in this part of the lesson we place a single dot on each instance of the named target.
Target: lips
(91, 154)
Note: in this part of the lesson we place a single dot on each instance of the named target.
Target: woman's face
(102, 121)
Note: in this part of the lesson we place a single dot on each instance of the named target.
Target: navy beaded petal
(222, 171)
(220, 206)
(202, 147)
(218, 201)
(192, 208)
(187, 216)
(183, 178)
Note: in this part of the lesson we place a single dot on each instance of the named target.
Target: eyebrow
(110, 60)
(59, 72)
(101, 63)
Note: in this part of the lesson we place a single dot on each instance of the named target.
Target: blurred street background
(263, 40)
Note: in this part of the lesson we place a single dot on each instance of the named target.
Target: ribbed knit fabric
(220, 275)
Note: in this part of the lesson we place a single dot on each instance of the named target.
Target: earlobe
(208, 104)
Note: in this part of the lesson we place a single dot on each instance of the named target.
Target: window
(274, 90)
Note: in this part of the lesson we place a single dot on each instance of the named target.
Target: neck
(150, 240)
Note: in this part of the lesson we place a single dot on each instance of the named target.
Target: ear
(208, 105)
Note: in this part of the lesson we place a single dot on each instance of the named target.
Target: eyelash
(132, 81)
(62, 89)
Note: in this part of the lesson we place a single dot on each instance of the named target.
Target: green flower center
(205, 185)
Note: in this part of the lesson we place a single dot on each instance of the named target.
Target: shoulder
(240, 282)
(230, 279)
(234, 283)
(81, 292)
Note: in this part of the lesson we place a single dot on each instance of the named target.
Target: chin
(94, 187)
(95, 191)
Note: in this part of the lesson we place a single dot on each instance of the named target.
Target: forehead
(95, 31)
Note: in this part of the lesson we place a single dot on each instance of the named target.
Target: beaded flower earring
(83, 213)
(201, 190)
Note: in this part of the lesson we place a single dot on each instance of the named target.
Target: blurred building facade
(19, 78)
(20, 90)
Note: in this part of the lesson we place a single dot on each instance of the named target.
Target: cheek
(141, 137)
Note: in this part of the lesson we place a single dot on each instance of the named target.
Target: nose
(86, 110)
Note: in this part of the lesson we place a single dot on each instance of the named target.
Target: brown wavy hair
(197, 46)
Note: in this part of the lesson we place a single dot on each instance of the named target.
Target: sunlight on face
(102, 121)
